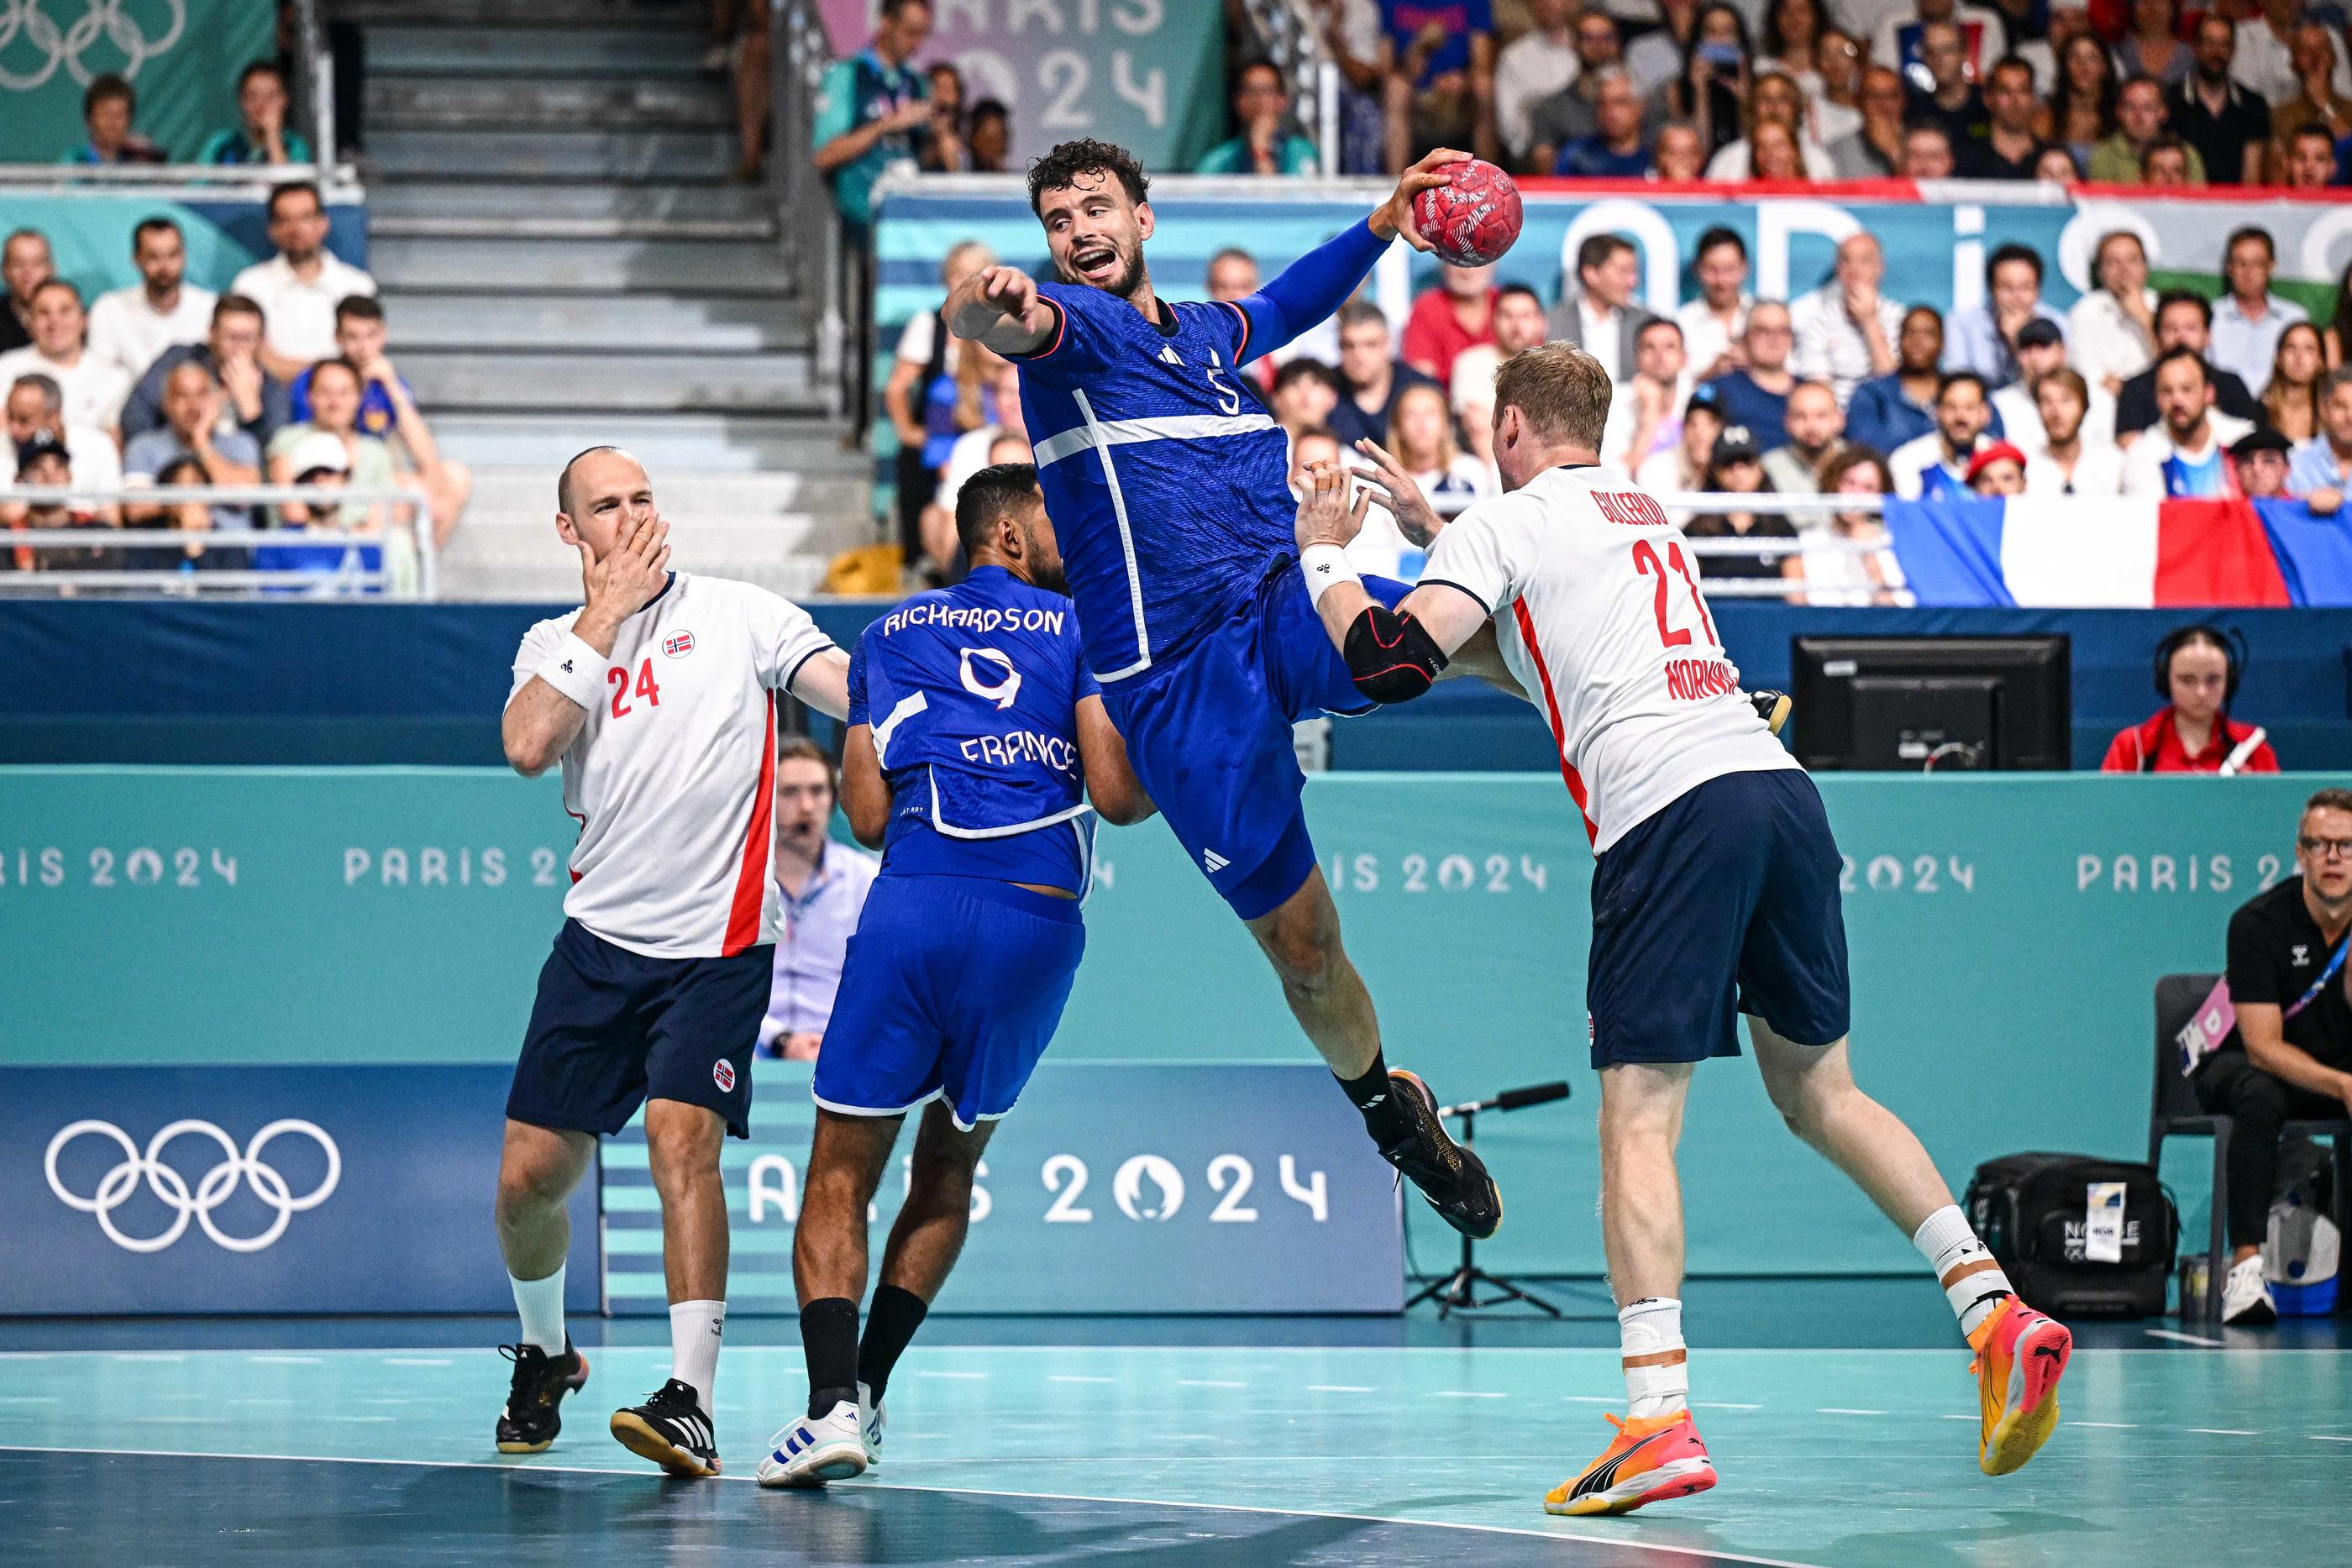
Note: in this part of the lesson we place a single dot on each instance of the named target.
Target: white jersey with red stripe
(672, 778)
(1596, 599)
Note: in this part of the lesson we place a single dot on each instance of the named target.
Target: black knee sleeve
(1391, 657)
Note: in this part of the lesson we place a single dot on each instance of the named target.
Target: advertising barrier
(1112, 1187)
(259, 1189)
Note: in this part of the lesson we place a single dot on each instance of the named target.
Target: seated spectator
(1946, 98)
(1713, 322)
(2140, 116)
(299, 289)
(1983, 338)
(2182, 454)
(1518, 321)
(1737, 468)
(25, 265)
(1532, 67)
(2227, 124)
(331, 441)
(1717, 63)
(940, 562)
(193, 427)
(1569, 112)
(1756, 395)
(2262, 460)
(1873, 151)
(190, 519)
(1833, 571)
(108, 108)
(1421, 438)
(1815, 425)
(2292, 400)
(2197, 675)
(1600, 315)
(1906, 38)
(2062, 462)
(2321, 470)
(1304, 393)
(1927, 153)
(1440, 63)
(258, 402)
(2111, 330)
(37, 406)
(940, 151)
(1646, 417)
(2183, 320)
(961, 411)
(2057, 167)
(1791, 32)
(260, 136)
(2007, 148)
(1998, 469)
(2248, 319)
(2169, 162)
(2068, 20)
(1774, 98)
(1887, 411)
(1834, 91)
(1262, 143)
(2306, 160)
(1450, 317)
(1937, 463)
(1847, 328)
(1232, 275)
(2290, 1054)
(1684, 469)
(42, 461)
(825, 883)
(1680, 156)
(388, 412)
(988, 143)
(2082, 109)
(1369, 377)
(927, 351)
(1615, 149)
(1773, 156)
(2321, 96)
(319, 457)
(94, 389)
(2017, 413)
(2152, 49)
(130, 327)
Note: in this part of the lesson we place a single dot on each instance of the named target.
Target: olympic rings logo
(64, 45)
(212, 1190)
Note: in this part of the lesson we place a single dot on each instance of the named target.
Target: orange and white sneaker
(1654, 1457)
(2020, 1356)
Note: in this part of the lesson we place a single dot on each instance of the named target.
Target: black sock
(829, 1339)
(1383, 1117)
(890, 1322)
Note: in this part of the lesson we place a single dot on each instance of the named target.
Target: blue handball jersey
(1166, 480)
(972, 693)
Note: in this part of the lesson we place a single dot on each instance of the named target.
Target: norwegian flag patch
(678, 644)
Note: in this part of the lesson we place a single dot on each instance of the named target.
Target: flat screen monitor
(1932, 704)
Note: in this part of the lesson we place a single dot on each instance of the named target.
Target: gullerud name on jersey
(1019, 746)
(983, 619)
(1696, 680)
(1631, 508)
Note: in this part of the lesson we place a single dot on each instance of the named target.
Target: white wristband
(1324, 565)
(577, 669)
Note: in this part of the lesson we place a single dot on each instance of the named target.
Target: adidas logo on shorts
(1214, 862)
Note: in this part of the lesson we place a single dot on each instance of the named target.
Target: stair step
(526, 201)
(538, 53)
(486, 227)
(502, 101)
(687, 17)
(624, 323)
(725, 384)
(588, 153)
(718, 443)
(613, 265)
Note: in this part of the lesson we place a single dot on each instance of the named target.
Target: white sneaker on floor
(869, 1425)
(2246, 1296)
(812, 1451)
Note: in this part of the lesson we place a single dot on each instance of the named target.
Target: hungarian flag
(2119, 552)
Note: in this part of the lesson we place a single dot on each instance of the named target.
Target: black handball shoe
(1450, 1176)
(532, 1417)
(670, 1429)
(1773, 708)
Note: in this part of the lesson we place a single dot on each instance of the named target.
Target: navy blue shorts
(1724, 903)
(1208, 733)
(613, 1029)
(952, 991)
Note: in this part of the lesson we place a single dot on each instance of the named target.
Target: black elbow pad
(1390, 656)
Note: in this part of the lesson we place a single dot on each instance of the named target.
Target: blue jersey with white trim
(972, 693)
(1166, 480)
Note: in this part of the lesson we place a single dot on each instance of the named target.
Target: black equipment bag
(2033, 1212)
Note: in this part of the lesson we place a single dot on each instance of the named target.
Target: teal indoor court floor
(1179, 1443)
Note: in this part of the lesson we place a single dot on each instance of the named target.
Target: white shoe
(2246, 1296)
(812, 1451)
(869, 1425)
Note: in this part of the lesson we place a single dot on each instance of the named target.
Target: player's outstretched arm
(999, 307)
(1310, 288)
(864, 793)
(1111, 784)
(543, 717)
(823, 683)
(1393, 655)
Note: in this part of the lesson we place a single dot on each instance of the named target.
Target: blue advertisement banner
(258, 1189)
(1112, 1187)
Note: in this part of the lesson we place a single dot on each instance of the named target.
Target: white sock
(1973, 1283)
(1657, 1368)
(695, 1328)
(541, 1302)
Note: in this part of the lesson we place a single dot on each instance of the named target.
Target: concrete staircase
(564, 263)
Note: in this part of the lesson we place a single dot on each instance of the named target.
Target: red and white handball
(1471, 220)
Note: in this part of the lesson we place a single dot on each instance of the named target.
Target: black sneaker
(1773, 708)
(532, 1417)
(670, 1429)
(1450, 1176)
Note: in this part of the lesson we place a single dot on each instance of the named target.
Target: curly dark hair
(1060, 169)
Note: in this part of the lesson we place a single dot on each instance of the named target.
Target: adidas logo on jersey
(1214, 862)
(1167, 355)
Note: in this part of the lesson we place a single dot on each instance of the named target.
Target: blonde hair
(1559, 390)
(1446, 451)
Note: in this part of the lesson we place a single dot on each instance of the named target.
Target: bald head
(600, 492)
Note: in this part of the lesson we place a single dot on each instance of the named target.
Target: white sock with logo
(695, 1329)
(1973, 1283)
(1657, 1367)
(541, 1302)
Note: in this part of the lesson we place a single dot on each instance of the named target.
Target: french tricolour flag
(2119, 552)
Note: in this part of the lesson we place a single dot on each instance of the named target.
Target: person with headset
(2197, 673)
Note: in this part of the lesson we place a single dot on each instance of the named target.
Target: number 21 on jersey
(1646, 562)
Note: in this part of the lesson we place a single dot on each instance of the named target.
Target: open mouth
(1098, 264)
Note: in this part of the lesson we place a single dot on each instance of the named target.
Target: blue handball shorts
(952, 991)
(613, 1029)
(1724, 903)
(1208, 733)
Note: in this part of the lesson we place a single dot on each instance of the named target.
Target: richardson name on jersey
(980, 618)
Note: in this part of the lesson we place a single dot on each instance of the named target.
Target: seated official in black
(2290, 1056)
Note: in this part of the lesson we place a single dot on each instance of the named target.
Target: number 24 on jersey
(617, 677)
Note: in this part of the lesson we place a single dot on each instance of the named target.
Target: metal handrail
(415, 520)
(314, 87)
(799, 54)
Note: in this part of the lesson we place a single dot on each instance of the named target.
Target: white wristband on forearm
(577, 669)
(1323, 565)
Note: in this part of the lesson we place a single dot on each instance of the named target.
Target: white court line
(2323, 1438)
(1555, 1533)
(1840, 1410)
(2224, 1432)
(1464, 1394)
(1207, 1383)
(1587, 1399)
(2110, 1425)
(2185, 1338)
(1980, 1419)
(28, 1399)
